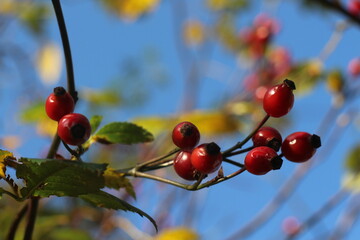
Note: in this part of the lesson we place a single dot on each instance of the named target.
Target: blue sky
(100, 42)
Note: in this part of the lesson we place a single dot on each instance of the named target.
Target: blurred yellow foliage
(131, 9)
(314, 68)
(49, 63)
(351, 182)
(216, 4)
(46, 127)
(193, 32)
(11, 142)
(335, 81)
(209, 122)
(180, 233)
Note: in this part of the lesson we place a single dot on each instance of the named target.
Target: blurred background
(158, 62)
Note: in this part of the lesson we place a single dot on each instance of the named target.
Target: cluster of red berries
(267, 141)
(192, 161)
(73, 128)
(297, 147)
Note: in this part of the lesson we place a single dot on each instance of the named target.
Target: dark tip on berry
(78, 131)
(290, 84)
(315, 141)
(274, 144)
(276, 162)
(59, 91)
(212, 148)
(187, 129)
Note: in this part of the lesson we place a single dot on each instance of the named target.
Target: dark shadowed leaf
(122, 132)
(59, 177)
(105, 200)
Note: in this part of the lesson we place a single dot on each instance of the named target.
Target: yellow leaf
(209, 122)
(212, 122)
(131, 9)
(117, 180)
(49, 63)
(3, 156)
(193, 32)
(180, 233)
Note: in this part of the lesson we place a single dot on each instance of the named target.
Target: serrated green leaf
(117, 180)
(106, 200)
(95, 122)
(44, 177)
(122, 132)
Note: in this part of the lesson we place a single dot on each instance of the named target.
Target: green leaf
(61, 233)
(122, 132)
(1, 192)
(44, 178)
(95, 122)
(117, 180)
(105, 200)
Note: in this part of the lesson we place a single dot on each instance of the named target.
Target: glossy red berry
(186, 135)
(300, 146)
(279, 99)
(206, 158)
(267, 136)
(261, 160)
(74, 129)
(183, 166)
(354, 7)
(59, 103)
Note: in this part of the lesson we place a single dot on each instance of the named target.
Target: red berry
(354, 65)
(300, 146)
(267, 136)
(261, 160)
(183, 166)
(291, 226)
(186, 135)
(279, 99)
(74, 129)
(354, 7)
(206, 158)
(59, 103)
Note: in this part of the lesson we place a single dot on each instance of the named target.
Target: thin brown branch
(338, 7)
